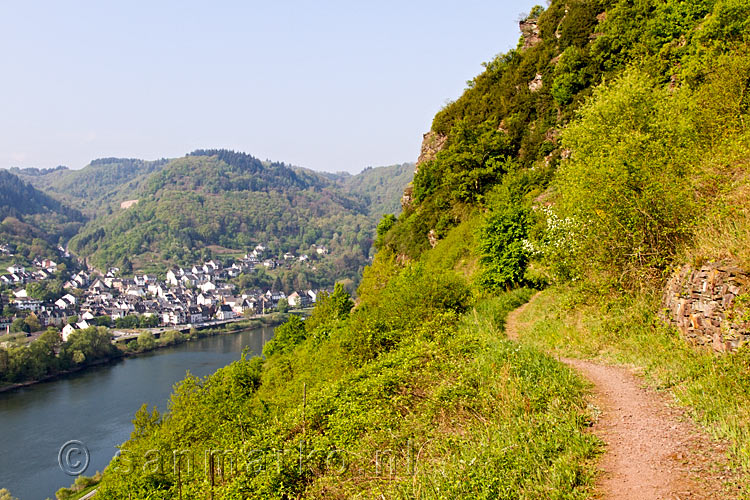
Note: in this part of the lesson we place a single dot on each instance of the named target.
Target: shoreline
(122, 354)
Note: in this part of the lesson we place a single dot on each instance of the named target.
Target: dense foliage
(48, 355)
(32, 222)
(359, 402)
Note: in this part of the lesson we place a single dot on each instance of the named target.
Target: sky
(332, 86)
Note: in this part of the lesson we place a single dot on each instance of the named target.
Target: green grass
(452, 411)
(715, 389)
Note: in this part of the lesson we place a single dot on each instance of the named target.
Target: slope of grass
(415, 395)
(624, 330)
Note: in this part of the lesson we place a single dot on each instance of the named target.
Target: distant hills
(96, 188)
(31, 221)
(213, 203)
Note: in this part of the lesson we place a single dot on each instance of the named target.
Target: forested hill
(380, 187)
(212, 202)
(96, 189)
(27, 214)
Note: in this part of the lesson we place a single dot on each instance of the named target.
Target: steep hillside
(609, 147)
(221, 201)
(380, 187)
(33, 222)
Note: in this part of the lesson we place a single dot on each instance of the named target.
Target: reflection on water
(96, 407)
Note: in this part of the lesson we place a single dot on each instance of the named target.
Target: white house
(225, 312)
(173, 277)
(28, 304)
(66, 331)
(205, 299)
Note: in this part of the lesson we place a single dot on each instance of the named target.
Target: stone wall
(710, 305)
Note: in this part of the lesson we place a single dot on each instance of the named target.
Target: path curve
(653, 451)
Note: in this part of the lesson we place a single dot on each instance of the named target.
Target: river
(96, 406)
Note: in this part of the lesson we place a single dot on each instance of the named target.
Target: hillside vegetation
(32, 222)
(380, 187)
(608, 147)
(96, 189)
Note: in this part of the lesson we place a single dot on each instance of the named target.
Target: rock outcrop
(530, 32)
(710, 306)
(432, 144)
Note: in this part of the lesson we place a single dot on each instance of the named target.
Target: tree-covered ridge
(380, 187)
(99, 187)
(32, 222)
(19, 199)
(231, 200)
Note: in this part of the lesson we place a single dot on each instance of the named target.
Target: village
(185, 298)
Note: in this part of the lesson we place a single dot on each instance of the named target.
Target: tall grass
(715, 389)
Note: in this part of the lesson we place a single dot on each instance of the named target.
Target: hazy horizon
(332, 87)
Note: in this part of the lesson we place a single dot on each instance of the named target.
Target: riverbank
(96, 407)
(267, 320)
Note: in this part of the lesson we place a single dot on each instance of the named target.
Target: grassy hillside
(594, 157)
(399, 397)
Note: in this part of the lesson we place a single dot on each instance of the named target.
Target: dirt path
(652, 450)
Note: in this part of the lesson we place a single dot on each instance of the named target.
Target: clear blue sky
(326, 85)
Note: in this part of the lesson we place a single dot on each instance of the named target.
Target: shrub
(626, 180)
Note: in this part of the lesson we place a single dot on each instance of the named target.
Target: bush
(286, 337)
(146, 341)
(626, 182)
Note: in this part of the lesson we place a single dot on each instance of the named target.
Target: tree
(503, 253)
(32, 321)
(283, 305)
(385, 225)
(171, 337)
(286, 337)
(329, 308)
(19, 325)
(5, 495)
(626, 180)
(146, 341)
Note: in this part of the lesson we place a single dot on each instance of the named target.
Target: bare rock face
(530, 32)
(432, 144)
(710, 306)
(408, 196)
(432, 237)
(536, 83)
